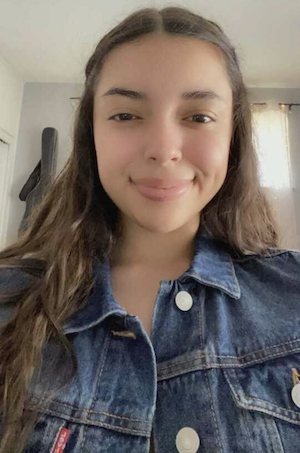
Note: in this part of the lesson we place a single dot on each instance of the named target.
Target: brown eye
(122, 115)
(198, 115)
(126, 117)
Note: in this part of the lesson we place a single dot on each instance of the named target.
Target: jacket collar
(212, 266)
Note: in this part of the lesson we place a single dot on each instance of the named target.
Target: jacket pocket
(264, 394)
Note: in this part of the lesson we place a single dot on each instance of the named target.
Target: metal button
(184, 300)
(296, 389)
(296, 394)
(187, 440)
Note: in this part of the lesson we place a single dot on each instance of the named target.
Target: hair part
(77, 224)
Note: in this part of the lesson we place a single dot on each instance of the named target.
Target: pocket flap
(266, 387)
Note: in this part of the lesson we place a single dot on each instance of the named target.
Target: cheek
(210, 154)
(113, 149)
(108, 153)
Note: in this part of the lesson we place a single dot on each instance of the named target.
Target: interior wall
(44, 105)
(11, 95)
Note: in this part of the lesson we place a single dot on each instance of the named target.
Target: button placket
(187, 439)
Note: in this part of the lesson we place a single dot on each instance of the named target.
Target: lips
(156, 183)
(162, 190)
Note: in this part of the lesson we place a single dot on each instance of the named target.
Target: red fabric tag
(61, 441)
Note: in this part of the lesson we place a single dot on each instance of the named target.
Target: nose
(164, 142)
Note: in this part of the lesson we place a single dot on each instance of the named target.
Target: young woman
(148, 298)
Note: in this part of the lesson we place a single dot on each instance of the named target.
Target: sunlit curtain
(271, 138)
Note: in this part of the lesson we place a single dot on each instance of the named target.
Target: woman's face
(163, 134)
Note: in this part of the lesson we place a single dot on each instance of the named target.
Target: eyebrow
(186, 95)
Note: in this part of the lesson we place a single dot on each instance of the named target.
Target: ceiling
(51, 40)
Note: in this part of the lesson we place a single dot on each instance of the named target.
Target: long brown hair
(77, 223)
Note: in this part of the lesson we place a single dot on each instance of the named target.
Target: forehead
(166, 63)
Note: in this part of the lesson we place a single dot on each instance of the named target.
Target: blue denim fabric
(222, 368)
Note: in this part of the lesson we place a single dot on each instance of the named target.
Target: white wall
(11, 93)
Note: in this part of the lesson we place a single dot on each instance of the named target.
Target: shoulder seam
(276, 252)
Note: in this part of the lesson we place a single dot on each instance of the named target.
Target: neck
(146, 249)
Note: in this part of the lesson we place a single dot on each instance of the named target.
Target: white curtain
(271, 139)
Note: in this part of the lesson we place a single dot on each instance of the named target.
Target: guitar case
(42, 177)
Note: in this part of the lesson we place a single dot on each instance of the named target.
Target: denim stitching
(44, 408)
(213, 412)
(101, 424)
(85, 429)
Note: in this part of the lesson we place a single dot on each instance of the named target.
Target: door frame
(8, 140)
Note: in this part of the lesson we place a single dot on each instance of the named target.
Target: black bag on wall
(42, 176)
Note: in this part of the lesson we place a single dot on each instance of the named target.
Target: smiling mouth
(161, 194)
(166, 183)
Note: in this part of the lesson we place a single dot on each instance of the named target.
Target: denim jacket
(219, 373)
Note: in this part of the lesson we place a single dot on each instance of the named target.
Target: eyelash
(130, 114)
